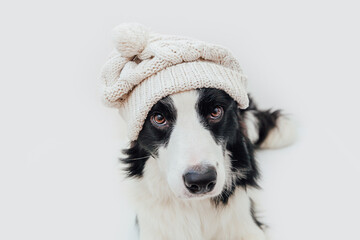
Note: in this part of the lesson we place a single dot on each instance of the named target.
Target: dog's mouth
(188, 195)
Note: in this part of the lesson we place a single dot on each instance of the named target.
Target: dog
(191, 172)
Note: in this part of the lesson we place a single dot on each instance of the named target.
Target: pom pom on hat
(130, 39)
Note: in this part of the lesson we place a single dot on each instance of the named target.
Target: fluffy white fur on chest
(163, 216)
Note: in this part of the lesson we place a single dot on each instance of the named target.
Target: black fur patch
(242, 160)
(136, 159)
(230, 133)
(254, 217)
(224, 130)
(149, 139)
(266, 122)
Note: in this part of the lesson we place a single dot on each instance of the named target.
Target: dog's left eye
(158, 120)
(216, 113)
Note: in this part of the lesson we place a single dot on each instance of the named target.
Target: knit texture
(145, 67)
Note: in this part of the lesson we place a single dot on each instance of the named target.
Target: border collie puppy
(191, 170)
(190, 167)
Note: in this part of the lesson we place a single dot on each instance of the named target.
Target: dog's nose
(200, 179)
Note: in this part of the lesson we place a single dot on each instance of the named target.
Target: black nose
(200, 179)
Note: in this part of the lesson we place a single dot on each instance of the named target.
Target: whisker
(139, 158)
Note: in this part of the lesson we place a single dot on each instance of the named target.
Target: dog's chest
(194, 220)
(179, 221)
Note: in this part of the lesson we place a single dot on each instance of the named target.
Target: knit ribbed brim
(178, 78)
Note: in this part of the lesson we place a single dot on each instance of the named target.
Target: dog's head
(197, 138)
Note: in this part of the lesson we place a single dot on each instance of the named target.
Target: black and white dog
(191, 172)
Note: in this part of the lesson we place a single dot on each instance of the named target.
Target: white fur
(163, 208)
(251, 126)
(190, 145)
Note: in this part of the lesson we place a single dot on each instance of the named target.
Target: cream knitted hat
(146, 66)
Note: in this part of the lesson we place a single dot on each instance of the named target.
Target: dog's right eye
(158, 120)
(216, 114)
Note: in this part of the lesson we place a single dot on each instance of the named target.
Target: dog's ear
(135, 160)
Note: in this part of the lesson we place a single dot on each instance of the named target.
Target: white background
(59, 146)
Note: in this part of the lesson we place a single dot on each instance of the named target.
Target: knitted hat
(146, 67)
